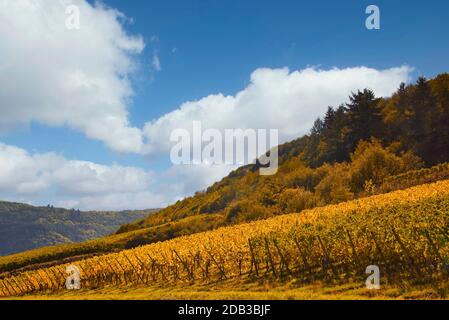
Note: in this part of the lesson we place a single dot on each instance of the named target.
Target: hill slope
(339, 160)
(335, 162)
(404, 232)
(24, 227)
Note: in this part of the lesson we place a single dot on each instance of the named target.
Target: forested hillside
(24, 227)
(348, 153)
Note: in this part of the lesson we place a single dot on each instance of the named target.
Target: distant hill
(24, 227)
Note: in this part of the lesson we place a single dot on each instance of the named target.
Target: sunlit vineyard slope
(404, 232)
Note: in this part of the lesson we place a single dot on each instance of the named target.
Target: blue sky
(212, 47)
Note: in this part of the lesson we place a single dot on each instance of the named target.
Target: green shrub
(246, 210)
(296, 200)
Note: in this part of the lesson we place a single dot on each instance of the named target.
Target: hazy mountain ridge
(24, 227)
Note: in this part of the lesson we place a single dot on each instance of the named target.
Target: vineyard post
(197, 258)
(240, 266)
(114, 272)
(162, 272)
(283, 260)
(162, 266)
(133, 268)
(207, 268)
(253, 259)
(192, 267)
(171, 272)
(153, 267)
(270, 258)
(106, 272)
(304, 258)
(327, 257)
(124, 271)
(171, 264)
(153, 270)
(382, 256)
(354, 251)
(83, 274)
(176, 273)
(407, 253)
(144, 267)
(185, 264)
(220, 268)
(110, 273)
(435, 250)
(92, 276)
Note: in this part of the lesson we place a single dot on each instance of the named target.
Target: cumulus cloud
(57, 76)
(80, 78)
(74, 183)
(276, 99)
(118, 201)
(41, 178)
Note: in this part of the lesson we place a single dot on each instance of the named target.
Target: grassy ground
(244, 290)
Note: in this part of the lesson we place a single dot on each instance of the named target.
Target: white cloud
(41, 178)
(277, 99)
(74, 183)
(57, 76)
(79, 78)
(118, 201)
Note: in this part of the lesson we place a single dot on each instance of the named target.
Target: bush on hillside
(296, 200)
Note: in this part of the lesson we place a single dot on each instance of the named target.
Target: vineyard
(415, 177)
(405, 233)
